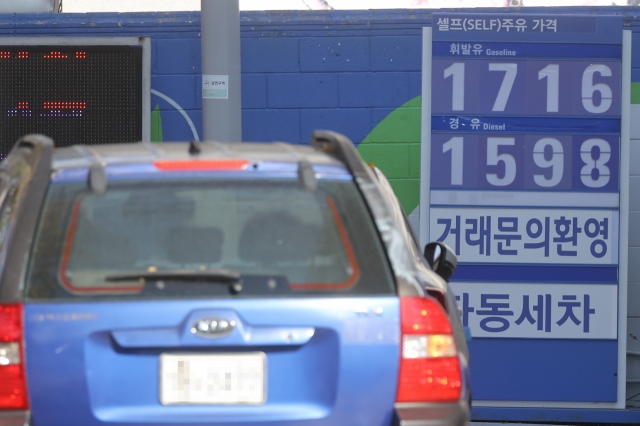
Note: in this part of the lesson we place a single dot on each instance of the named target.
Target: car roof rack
(340, 147)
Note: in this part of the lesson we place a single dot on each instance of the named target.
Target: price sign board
(74, 90)
(524, 176)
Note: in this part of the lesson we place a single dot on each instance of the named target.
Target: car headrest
(277, 237)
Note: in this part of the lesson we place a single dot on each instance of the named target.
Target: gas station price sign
(82, 94)
(522, 177)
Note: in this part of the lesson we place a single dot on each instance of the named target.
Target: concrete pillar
(221, 96)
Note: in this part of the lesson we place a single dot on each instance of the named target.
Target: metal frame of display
(144, 42)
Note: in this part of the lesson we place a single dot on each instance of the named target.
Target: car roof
(81, 156)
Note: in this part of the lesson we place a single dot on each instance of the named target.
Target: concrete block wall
(313, 70)
(300, 71)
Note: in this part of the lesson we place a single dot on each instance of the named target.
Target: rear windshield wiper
(214, 276)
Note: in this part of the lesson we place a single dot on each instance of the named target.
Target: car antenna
(194, 148)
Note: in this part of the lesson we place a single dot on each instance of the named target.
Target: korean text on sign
(496, 24)
(528, 236)
(544, 311)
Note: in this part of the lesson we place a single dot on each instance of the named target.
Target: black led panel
(73, 94)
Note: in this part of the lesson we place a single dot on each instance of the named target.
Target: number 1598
(536, 162)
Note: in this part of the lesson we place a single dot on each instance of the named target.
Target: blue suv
(211, 284)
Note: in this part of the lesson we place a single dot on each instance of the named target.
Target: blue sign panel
(524, 180)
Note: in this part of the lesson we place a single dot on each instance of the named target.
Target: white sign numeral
(456, 71)
(591, 164)
(552, 73)
(510, 72)
(493, 159)
(455, 145)
(556, 162)
(588, 89)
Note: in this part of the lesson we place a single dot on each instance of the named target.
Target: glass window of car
(280, 239)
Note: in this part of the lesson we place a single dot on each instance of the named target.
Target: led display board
(75, 94)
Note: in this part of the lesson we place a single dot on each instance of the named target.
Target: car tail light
(438, 295)
(13, 386)
(429, 365)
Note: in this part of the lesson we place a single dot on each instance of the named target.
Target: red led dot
(55, 55)
(65, 105)
(23, 55)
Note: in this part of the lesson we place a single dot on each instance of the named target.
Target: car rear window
(206, 238)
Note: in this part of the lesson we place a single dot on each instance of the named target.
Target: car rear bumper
(445, 414)
(14, 418)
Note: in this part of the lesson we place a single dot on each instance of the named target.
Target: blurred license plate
(213, 379)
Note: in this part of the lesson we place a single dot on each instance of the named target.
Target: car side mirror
(441, 258)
